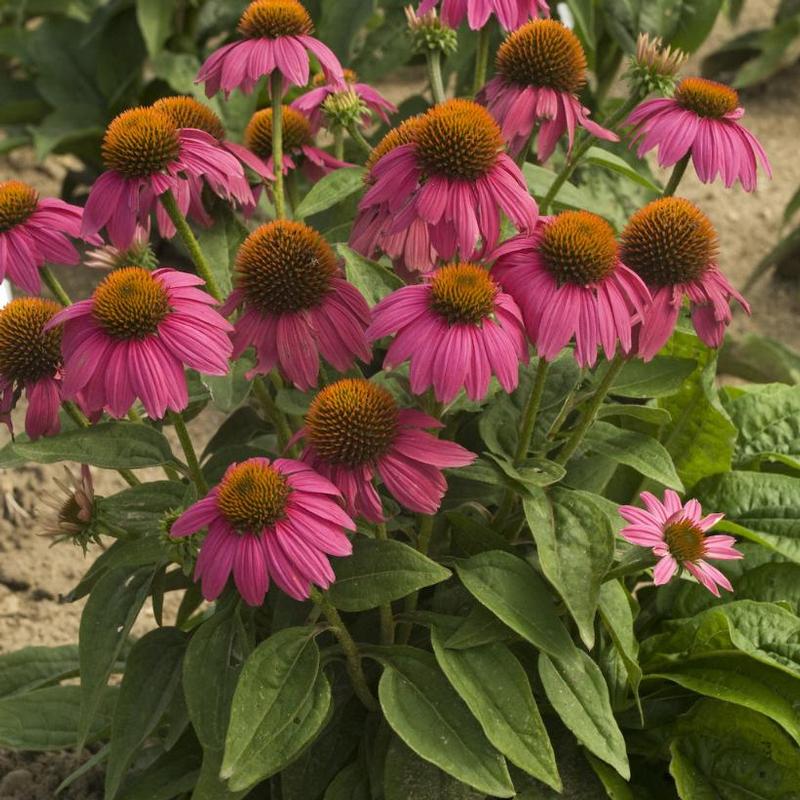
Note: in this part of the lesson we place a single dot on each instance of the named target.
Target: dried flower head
(74, 517)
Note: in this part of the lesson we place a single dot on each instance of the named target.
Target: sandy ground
(33, 576)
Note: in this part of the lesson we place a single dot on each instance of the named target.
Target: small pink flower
(277, 37)
(133, 337)
(673, 247)
(568, 280)
(455, 178)
(278, 520)
(310, 104)
(510, 13)
(702, 119)
(676, 533)
(354, 431)
(540, 69)
(33, 231)
(30, 361)
(297, 305)
(457, 330)
(298, 145)
(146, 155)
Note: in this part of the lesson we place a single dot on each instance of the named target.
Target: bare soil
(34, 576)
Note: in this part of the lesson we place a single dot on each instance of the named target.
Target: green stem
(272, 412)
(579, 151)
(54, 285)
(358, 138)
(677, 174)
(481, 58)
(79, 418)
(566, 408)
(589, 414)
(192, 245)
(292, 190)
(435, 76)
(338, 142)
(350, 649)
(276, 87)
(188, 449)
(387, 618)
(170, 472)
(424, 537)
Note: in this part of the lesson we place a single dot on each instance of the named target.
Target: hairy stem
(358, 138)
(276, 87)
(677, 173)
(273, 413)
(435, 76)
(188, 449)
(481, 58)
(338, 142)
(387, 618)
(54, 285)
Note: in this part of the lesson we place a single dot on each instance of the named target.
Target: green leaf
(471, 536)
(152, 673)
(34, 667)
(479, 627)
(109, 445)
(745, 682)
(768, 420)
(661, 377)
(408, 777)
(352, 783)
(700, 437)
(210, 674)
(220, 243)
(276, 707)
(155, 22)
(576, 548)
(607, 160)
(503, 704)
(539, 180)
(330, 190)
(209, 785)
(229, 391)
(380, 571)
(427, 714)
(372, 279)
(727, 751)
(759, 358)
(511, 589)
(641, 452)
(765, 503)
(616, 788)
(578, 693)
(649, 414)
(139, 510)
(617, 617)
(107, 619)
(47, 719)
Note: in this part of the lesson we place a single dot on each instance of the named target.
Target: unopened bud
(429, 34)
(654, 67)
(345, 109)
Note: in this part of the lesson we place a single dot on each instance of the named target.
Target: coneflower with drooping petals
(702, 119)
(510, 13)
(277, 36)
(677, 534)
(34, 230)
(457, 330)
(298, 144)
(30, 361)
(311, 104)
(145, 156)
(277, 521)
(133, 337)
(673, 247)
(74, 512)
(455, 178)
(297, 305)
(540, 67)
(355, 431)
(411, 249)
(569, 282)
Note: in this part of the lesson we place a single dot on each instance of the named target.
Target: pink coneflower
(702, 119)
(568, 280)
(354, 431)
(133, 337)
(277, 37)
(278, 520)
(311, 103)
(410, 249)
(299, 151)
(540, 69)
(146, 155)
(510, 13)
(30, 361)
(455, 178)
(673, 247)
(33, 231)
(676, 533)
(457, 330)
(297, 305)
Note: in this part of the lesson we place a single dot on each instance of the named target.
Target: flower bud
(343, 109)
(429, 34)
(654, 67)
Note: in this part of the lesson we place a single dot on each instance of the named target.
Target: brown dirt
(33, 575)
